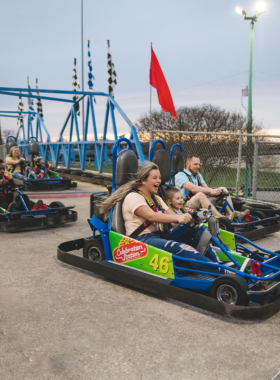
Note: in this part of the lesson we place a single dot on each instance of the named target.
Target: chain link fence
(223, 159)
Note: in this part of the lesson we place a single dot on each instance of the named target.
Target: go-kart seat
(33, 148)
(126, 169)
(162, 159)
(177, 165)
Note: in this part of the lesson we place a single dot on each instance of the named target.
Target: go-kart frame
(55, 215)
(52, 181)
(130, 262)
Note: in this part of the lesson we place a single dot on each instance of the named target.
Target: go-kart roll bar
(171, 159)
(7, 139)
(153, 147)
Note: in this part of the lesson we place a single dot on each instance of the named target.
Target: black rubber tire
(66, 178)
(67, 171)
(225, 224)
(77, 172)
(257, 206)
(230, 288)
(56, 204)
(94, 250)
(258, 214)
(88, 175)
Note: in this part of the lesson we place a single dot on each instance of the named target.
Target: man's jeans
(181, 238)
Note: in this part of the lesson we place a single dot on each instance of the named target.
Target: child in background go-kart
(7, 197)
(136, 212)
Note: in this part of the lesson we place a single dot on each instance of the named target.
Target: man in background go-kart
(7, 196)
(196, 193)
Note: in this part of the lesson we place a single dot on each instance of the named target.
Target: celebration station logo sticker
(128, 250)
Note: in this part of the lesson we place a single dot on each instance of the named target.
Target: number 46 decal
(162, 265)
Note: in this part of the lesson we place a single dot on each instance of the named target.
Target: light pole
(259, 10)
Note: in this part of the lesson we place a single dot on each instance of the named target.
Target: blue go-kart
(53, 215)
(250, 289)
(38, 175)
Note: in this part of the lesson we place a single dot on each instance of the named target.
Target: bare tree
(215, 151)
(6, 133)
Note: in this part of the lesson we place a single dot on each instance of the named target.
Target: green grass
(107, 169)
(227, 177)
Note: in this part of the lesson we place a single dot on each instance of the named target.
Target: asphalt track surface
(58, 322)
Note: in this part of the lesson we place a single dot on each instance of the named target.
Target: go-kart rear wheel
(258, 214)
(56, 204)
(94, 251)
(230, 288)
(225, 224)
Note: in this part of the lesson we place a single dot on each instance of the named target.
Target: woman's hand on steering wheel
(184, 218)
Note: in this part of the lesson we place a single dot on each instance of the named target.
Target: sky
(202, 47)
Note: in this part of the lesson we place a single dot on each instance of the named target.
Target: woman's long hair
(122, 191)
(11, 152)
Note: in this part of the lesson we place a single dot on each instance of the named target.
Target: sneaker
(235, 214)
(13, 207)
(39, 202)
(242, 214)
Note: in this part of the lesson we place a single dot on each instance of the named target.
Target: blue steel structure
(52, 150)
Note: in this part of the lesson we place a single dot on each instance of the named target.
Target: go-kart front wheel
(94, 251)
(225, 224)
(230, 288)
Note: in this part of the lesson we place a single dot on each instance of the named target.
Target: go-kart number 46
(163, 264)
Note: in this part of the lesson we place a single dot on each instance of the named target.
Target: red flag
(157, 80)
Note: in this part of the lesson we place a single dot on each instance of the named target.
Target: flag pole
(82, 43)
(151, 103)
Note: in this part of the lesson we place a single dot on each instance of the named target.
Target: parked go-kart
(52, 215)
(39, 175)
(256, 226)
(253, 279)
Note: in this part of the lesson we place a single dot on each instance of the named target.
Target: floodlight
(239, 10)
(261, 6)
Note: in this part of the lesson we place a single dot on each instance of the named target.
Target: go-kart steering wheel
(222, 195)
(14, 184)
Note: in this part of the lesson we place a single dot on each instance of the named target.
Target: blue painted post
(104, 137)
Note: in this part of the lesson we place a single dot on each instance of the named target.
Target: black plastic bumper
(37, 222)
(47, 184)
(160, 286)
(257, 229)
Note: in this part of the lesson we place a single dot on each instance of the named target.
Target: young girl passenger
(174, 199)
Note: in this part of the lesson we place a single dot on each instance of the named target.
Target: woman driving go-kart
(16, 164)
(144, 213)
